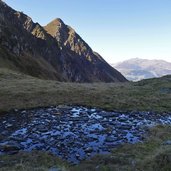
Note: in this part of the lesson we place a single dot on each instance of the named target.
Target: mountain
(136, 69)
(76, 53)
(53, 52)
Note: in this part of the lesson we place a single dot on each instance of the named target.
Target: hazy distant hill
(55, 52)
(137, 69)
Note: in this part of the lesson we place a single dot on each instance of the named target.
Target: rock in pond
(10, 148)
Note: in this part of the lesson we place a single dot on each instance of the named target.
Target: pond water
(73, 133)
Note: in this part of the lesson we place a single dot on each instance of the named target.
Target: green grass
(21, 91)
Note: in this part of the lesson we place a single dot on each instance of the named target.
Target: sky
(116, 29)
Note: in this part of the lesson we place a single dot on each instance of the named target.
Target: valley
(64, 108)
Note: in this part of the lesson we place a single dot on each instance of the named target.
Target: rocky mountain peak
(55, 27)
(55, 51)
(69, 39)
(58, 22)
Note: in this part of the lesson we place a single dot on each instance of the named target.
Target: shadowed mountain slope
(27, 47)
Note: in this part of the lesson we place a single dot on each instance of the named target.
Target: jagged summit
(72, 45)
(55, 51)
(68, 38)
(58, 21)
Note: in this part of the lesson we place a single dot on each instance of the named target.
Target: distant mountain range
(55, 51)
(136, 69)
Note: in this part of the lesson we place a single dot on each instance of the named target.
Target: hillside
(18, 91)
(137, 69)
(64, 108)
(26, 46)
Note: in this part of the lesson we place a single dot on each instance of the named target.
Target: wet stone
(74, 133)
(8, 125)
(168, 142)
(111, 139)
(10, 148)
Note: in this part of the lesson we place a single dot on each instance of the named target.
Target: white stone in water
(21, 131)
(75, 112)
(95, 116)
(88, 150)
(168, 142)
(8, 125)
(93, 110)
(77, 155)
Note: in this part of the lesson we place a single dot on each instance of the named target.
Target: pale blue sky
(117, 29)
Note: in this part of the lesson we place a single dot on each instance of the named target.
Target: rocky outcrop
(58, 53)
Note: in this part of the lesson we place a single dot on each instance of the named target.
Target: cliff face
(54, 52)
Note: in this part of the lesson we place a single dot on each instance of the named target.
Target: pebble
(88, 150)
(10, 148)
(168, 142)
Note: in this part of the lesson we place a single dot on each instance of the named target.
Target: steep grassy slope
(27, 64)
(21, 91)
(25, 46)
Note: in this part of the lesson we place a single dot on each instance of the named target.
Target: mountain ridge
(136, 69)
(30, 49)
(72, 43)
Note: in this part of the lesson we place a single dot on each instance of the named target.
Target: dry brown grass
(33, 161)
(22, 91)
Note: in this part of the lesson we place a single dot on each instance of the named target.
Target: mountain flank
(53, 52)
